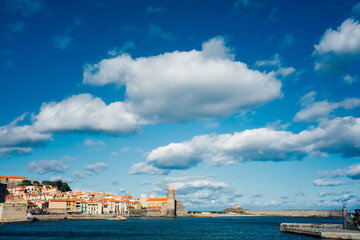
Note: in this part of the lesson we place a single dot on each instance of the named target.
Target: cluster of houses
(47, 199)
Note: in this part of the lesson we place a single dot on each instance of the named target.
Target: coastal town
(57, 198)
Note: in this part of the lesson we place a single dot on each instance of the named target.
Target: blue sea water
(160, 228)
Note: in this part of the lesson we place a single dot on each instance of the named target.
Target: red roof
(157, 200)
(13, 177)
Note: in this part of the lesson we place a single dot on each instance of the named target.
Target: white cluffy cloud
(338, 48)
(181, 86)
(339, 136)
(19, 140)
(313, 111)
(171, 87)
(47, 166)
(84, 112)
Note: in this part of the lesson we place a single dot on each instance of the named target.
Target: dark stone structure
(2, 192)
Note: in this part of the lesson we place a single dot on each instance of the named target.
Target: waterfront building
(57, 206)
(94, 208)
(84, 207)
(70, 205)
(12, 180)
(165, 207)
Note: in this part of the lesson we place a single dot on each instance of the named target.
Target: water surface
(160, 228)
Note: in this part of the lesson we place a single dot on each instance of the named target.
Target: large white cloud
(313, 111)
(84, 112)
(19, 140)
(181, 86)
(338, 48)
(338, 136)
(171, 87)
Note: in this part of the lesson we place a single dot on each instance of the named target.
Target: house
(84, 206)
(57, 206)
(94, 208)
(71, 205)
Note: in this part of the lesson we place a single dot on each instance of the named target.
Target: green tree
(62, 186)
(65, 188)
(58, 184)
(36, 183)
(26, 183)
(46, 182)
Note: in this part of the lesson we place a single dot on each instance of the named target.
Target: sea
(160, 228)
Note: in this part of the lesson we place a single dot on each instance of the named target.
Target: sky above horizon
(243, 101)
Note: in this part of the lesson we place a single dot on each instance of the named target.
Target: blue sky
(242, 101)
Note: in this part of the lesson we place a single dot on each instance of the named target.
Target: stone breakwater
(297, 213)
(329, 231)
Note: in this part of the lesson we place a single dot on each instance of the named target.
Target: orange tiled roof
(13, 177)
(156, 200)
(58, 200)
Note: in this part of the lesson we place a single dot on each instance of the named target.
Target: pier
(329, 231)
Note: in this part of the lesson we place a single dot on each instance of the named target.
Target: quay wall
(297, 213)
(137, 213)
(154, 214)
(10, 212)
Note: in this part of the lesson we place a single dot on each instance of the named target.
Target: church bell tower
(171, 204)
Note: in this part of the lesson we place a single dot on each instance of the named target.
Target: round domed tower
(171, 208)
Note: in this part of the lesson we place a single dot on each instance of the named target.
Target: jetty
(329, 231)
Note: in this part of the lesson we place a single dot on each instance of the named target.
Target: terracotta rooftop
(13, 177)
(156, 200)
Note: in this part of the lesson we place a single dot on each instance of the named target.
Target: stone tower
(344, 210)
(170, 204)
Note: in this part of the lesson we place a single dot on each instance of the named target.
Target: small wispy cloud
(154, 10)
(89, 170)
(324, 183)
(62, 41)
(125, 47)
(156, 31)
(25, 7)
(91, 142)
(17, 27)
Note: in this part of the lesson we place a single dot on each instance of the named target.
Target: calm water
(142, 228)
